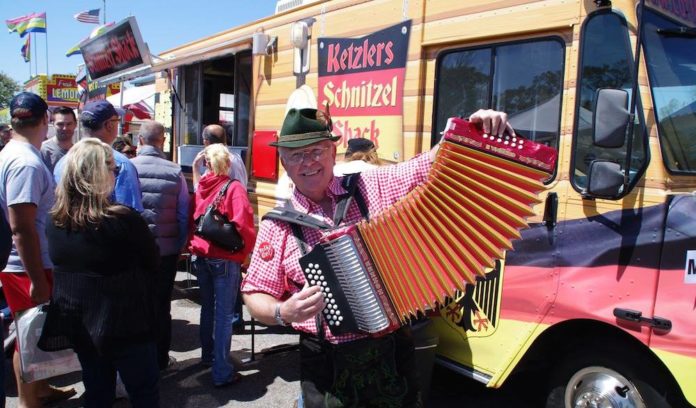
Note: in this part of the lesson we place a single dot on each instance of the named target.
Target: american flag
(91, 16)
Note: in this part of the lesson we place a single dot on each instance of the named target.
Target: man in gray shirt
(65, 122)
(26, 196)
(166, 207)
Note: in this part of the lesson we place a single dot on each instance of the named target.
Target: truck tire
(590, 378)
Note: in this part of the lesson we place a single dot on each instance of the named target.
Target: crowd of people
(74, 210)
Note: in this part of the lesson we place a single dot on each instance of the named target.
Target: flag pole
(104, 1)
(36, 62)
(46, 44)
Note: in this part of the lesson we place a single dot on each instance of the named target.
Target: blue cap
(27, 105)
(99, 112)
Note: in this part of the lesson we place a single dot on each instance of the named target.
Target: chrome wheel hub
(600, 387)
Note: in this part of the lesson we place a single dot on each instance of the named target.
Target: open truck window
(215, 91)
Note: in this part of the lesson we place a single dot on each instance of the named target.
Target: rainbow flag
(100, 30)
(75, 50)
(31, 23)
(26, 50)
(14, 22)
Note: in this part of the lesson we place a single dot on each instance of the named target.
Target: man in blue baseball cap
(100, 119)
(26, 196)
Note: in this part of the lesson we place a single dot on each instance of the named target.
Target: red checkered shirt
(275, 267)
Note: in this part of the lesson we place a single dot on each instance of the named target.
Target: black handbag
(215, 228)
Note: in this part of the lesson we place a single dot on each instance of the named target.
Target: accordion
(377, 274)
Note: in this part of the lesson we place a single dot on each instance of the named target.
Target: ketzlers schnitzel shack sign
(118, 49)
(362, 80)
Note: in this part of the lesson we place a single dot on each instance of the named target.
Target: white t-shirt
(24, 178)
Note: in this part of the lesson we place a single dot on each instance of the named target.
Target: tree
(8, 87)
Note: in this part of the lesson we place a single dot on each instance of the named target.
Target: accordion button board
(378, 274)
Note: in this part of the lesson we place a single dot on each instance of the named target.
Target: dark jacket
(165, 204)
(103, 285)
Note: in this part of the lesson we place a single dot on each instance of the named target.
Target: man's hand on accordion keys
(492, 122)
(302, 305)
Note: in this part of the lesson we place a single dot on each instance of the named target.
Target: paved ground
(272, 378)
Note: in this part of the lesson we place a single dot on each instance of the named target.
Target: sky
(164, 24)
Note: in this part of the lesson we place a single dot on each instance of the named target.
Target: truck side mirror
(610, 118)
(605, 179)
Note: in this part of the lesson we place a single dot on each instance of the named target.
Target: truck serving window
(524, 79)
(605, 62)
(670, 51)
(215, 91)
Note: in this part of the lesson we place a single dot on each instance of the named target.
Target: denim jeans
(218, 280)
(137, 365)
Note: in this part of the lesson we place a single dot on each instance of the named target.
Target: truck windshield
(670, 51)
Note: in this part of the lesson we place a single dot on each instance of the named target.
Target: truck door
(481, 330)
(673, 322)
(609, 253)
(670, 57)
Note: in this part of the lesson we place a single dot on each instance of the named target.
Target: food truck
(598, 297)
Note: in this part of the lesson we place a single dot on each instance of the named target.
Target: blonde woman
(218, 269)
(104, 263)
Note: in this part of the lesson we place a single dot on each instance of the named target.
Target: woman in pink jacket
(218, 269)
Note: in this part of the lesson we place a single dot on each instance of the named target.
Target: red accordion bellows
(443, 233)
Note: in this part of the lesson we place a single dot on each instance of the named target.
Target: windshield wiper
(678, 32)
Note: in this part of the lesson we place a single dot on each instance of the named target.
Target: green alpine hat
(303, 127)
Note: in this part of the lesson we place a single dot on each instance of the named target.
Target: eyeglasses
(315, 154)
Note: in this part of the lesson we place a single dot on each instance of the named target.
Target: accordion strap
(350, 184)
(293, 217)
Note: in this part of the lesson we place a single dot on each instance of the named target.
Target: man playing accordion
(336, 370)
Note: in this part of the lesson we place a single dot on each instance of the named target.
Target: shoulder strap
(350, 184)
(294, 217)
(221, 194)
(290, 215)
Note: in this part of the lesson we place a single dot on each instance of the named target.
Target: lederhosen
(370, 372)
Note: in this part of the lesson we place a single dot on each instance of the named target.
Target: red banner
(362, 81)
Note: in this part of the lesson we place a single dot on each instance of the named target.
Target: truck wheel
(603, 379)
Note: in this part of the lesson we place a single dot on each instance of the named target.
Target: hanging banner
(362, 80)
(96, 92)
(56, 90)
(61, 90)
(116, 50)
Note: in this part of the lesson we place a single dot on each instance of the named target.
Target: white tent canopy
(133, 95)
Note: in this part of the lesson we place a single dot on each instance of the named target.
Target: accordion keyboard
(351, 302)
